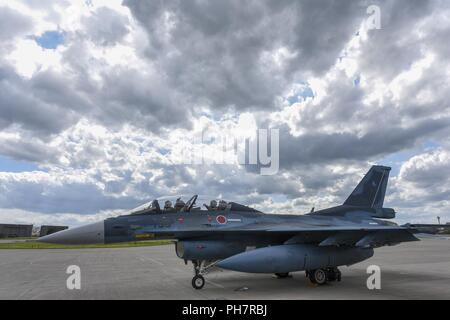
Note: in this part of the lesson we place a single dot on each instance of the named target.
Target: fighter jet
(232, 236)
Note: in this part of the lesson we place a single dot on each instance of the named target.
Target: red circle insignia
(221, 219)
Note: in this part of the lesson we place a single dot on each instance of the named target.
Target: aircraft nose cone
(93, 233)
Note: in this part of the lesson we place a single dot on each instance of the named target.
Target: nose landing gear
(201, 268)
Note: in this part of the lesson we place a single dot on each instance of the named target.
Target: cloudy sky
(97, 96)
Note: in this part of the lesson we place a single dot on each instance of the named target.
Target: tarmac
(416, 270)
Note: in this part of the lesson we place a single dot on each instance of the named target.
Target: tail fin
(370, 191)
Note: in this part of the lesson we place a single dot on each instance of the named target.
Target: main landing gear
(282, 275)
(201, 268)
(322, 276)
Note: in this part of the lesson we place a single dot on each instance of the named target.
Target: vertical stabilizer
(371, 190)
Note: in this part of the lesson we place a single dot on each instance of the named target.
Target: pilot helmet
(222, 204)
(179, 203)
(168, 204)
(213, 204)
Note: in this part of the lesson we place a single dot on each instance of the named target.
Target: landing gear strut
(201, 268)
(322, 276)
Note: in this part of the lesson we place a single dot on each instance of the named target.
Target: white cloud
(36, 218)
(28, 57)
(106, 114)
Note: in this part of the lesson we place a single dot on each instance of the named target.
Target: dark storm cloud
(141, 99)
(44, 4)
(119, 94)
(214, 52)
(12, 23)
(31, 150)
(321, 30)
(55, 89)
(392, 49)
(105, 26)
(206, 53)
(21, 104)
(83, 198)
(327, 148)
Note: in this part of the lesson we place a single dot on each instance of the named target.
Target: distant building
(46, 230)
(15, 230)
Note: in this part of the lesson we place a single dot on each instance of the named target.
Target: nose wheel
(201, 268)
(198, 282)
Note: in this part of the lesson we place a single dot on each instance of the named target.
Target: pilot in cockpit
(213, 205)
(222, 205)
(168, 206)
(179, 204)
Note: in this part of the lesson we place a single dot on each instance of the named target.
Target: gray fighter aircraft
(236, 237)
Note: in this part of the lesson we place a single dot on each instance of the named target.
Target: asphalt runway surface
(416, 270)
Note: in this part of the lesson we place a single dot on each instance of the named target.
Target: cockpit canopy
(176, 204)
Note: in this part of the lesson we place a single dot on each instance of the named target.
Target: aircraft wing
(433, 236)
(293, 228)
(359, 236)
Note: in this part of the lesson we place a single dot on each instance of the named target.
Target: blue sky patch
(11, 165)
(395, 160)
(431, 145)
(301, 94)
(50, 39)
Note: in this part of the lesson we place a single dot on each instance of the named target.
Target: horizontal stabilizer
(428, 228)
(382, 238)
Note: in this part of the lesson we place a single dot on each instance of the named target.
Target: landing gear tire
(282, 275)
(333, 274)
(198, 282)
(318, 276)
